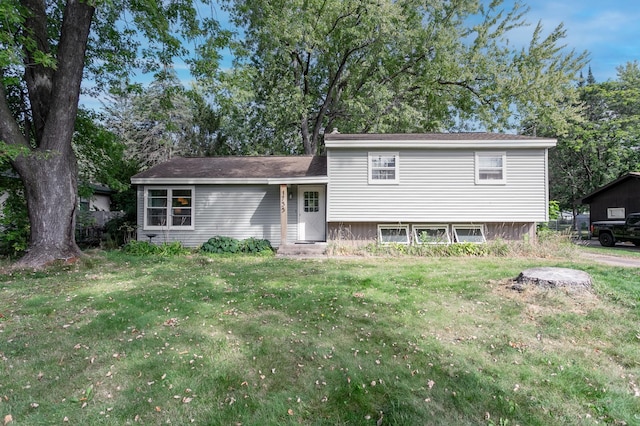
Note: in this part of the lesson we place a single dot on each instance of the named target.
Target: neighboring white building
(100, 200)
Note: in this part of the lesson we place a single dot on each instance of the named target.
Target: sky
(608, 29)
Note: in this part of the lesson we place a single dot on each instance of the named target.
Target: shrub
(119, 231)
(468, 249)
(256, 245)
(219, 244)
(142, 248)
(14, 223)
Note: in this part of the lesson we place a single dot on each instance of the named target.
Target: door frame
(322, 190)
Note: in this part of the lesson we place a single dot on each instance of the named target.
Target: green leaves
(12, 17)
(601, 144)
(221, 244)
(150, 36)
(405, 66)
(144, 248)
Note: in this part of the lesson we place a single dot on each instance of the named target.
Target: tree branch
(68, 76)
(39, 78)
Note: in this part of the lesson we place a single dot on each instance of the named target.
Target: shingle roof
(237, 167)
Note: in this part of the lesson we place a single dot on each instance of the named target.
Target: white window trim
(370, 168)
(381, 227)
(490, 181)
(416, 228)
(468, 226)
(169, 189)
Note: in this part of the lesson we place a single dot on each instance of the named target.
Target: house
(100, 199)
(616, 199)
(95, 211)
(194, 199)
(422, 188)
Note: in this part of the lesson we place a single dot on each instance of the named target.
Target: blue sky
(608, 29)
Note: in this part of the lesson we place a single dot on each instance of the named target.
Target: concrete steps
(303, 249)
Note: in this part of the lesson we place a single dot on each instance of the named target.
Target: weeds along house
(404, 188)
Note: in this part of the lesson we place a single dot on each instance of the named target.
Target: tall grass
(548, 244)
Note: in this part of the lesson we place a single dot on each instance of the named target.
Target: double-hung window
(168, 208)
(384, 167)
(491, 168)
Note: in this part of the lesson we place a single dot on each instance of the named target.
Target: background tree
(164, 120)
(205, 138)
(306, 66)
(45, 48)
(161, 115)
(604, 144)
(100, 153)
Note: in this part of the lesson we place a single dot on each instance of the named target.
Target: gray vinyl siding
(237, 211)
(436, 186)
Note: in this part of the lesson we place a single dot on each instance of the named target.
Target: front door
(311, 213)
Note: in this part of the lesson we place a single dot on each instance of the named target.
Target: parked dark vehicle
(610, 232)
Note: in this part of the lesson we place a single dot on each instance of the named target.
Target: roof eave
(631, 175)
(439, 144)
(232, 181)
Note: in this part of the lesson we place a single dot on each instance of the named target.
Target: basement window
(469, 233)
(431, 234)
(398, 234)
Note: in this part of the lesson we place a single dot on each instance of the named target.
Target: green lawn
(245, 340)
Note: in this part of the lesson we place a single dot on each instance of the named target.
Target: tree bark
(50, 183)
(49, 170)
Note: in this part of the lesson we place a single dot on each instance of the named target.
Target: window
(431, 234)
(383, 167)
(491, 168)
(311, 201)
(616, 213)
(469, 233)
(168, 208)
(633, 221)
(393, 234)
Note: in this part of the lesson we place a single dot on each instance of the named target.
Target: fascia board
(426, 144)
(234, 181)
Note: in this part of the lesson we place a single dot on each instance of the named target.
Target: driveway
(621, 254)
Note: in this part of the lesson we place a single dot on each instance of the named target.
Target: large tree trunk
(51, 190)
(49, 169)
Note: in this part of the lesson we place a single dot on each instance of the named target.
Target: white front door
(311, 213)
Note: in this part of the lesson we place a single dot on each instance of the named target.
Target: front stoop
(304, 249)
